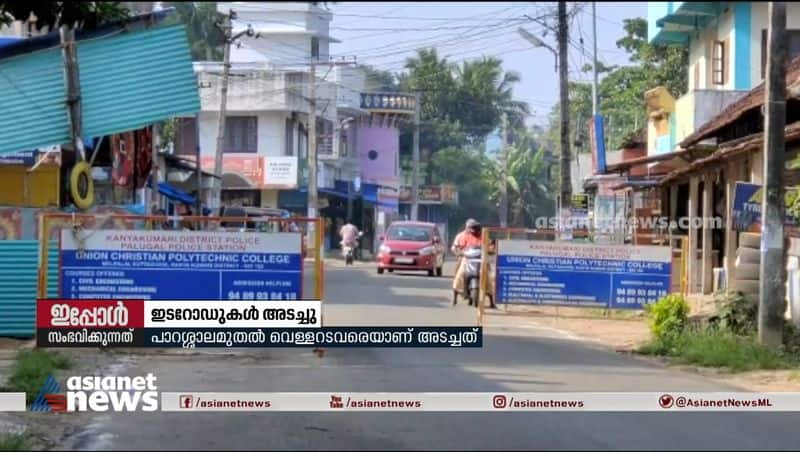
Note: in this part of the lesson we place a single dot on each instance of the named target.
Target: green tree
(378, 80)
(526, 181)
(621, 91)
(206, 39)
(55, 14)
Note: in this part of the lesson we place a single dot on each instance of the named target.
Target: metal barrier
(312, 230)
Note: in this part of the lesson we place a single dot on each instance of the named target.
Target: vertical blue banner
(600, 144)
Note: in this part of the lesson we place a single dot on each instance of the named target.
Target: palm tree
(526, 181)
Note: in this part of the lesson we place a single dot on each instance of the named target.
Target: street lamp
(536, 42)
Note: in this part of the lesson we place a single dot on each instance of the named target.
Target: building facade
(726, 42)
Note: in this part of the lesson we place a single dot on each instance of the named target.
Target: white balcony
(697, 107)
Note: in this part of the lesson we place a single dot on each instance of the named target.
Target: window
(718, 63)
(315, 47)
(793, 50)
(241, 134)
(409, 233)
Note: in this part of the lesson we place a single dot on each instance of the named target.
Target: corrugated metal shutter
(128, 81)
(33, 100)
(19, 267)
(132, 80)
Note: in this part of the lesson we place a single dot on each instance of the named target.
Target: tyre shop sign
(747, 200)
(179, 265)
(572, 274)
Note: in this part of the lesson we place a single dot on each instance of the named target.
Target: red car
(411, 245)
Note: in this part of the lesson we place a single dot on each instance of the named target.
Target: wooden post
(731, 176)
(692, 214)
(708, 263)
(673, 203)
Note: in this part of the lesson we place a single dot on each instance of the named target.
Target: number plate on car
(404, 260)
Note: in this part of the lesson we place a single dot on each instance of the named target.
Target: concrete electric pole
(415, 162)
(312, 144)
(566, 182)
(216, 195)
(504, 174)
(772, 297)
(227, 28)
(595, 105)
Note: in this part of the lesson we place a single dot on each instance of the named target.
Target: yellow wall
(684, 117)
(269, 198)
(20, 188)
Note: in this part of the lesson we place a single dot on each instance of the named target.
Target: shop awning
(330, 191)
(334, 192)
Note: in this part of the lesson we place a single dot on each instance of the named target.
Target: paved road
(516, 357)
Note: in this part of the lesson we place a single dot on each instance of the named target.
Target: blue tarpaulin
(174, 193)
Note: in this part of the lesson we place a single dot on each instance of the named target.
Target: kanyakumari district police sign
(571, 274)
(180, 265)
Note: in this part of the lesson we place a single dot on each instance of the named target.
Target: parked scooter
(471, 274)
(349, 250)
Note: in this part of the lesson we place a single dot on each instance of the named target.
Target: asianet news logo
(95, 393)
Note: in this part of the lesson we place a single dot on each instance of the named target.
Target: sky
(385, 34)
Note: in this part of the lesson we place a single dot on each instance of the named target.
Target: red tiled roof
(750, 143)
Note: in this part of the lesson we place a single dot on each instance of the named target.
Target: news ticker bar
(328, 337)
(109, 314)
(463, 402)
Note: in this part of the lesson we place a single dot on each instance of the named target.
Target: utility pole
(772, 297)
(415, 162)
(312, 145)
(73, 88)
(594, 64)
(226, 66)
(566, 182)
(152, 200)
(504, 174)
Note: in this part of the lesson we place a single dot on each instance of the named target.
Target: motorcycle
(472, 275)
(349, 250)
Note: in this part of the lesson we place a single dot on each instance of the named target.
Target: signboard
(50, 155)
(388, 196)
(572, 274)
(747, 200)
(280, 172)
(253, 172)
(24, 158)
(431, 194)
(388, 102)
(179, 265)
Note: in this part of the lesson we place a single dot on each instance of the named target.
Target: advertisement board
(256, 172)
(431, 194)
(573, 274)
(747, 200)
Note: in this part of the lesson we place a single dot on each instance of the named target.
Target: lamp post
(536, 42)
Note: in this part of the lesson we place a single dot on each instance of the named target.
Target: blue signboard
(747, 200)
(23, 158)
(571, 274)
(180, 265)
